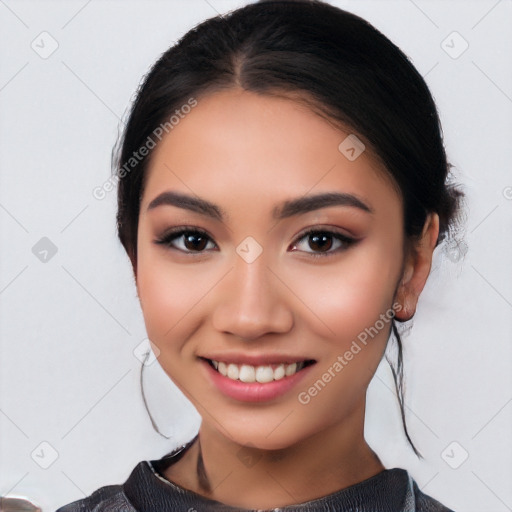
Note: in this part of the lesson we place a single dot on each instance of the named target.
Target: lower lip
(254, 391)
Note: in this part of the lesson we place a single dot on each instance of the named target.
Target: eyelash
(175, 233)
(337, 235)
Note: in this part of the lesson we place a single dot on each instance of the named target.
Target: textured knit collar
(148, 491)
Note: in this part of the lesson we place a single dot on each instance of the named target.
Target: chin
(266, 435)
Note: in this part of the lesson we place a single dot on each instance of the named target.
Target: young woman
(282, 187)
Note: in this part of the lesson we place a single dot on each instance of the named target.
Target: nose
(252, 302)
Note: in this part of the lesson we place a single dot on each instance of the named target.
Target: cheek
(355, 302)
(351, 295)
(169, 295)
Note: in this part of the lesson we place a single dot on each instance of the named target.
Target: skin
(247, 153)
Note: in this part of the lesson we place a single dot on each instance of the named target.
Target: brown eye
(195, 242)
(318, 242)
(186, 240)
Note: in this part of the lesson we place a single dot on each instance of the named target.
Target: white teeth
(279, 372)
(261, 374)
(223, 369)
(264, 374)
(247, 373)
(233, 371)
(291, 369)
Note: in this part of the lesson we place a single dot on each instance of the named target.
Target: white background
(69, 325)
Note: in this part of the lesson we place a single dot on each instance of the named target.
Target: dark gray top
(146, 490)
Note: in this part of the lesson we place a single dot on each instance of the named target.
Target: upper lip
(256, 359)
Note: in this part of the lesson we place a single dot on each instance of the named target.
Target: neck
(247, 477)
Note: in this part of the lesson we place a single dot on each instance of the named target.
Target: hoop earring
(155, 427)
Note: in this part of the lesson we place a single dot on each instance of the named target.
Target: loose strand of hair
(155, 427)
(398, 377)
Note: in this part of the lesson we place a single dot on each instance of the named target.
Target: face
(243, 268)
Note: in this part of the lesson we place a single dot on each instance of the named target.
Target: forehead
(242, 145)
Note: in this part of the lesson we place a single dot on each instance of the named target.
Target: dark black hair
(333, 61)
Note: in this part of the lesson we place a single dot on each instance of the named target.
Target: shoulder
(143, 484)
(425, 503)
(395, 490)
(106, 499)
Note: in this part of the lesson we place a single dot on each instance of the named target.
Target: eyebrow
(287, 209)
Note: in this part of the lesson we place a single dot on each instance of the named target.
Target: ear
(417, 268)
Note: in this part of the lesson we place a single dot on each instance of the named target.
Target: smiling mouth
(262, 374)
